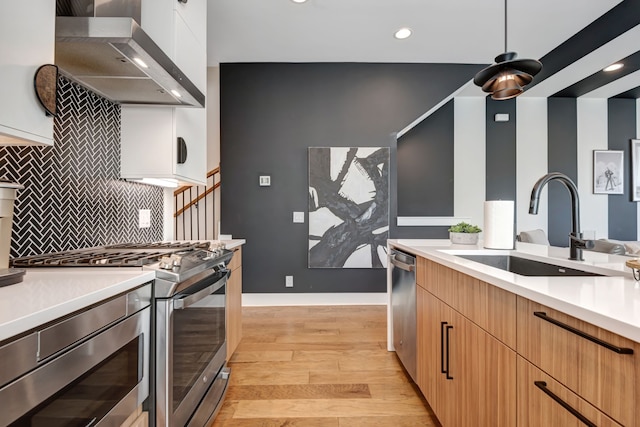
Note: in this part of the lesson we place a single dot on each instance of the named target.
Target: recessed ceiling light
(298, 1)
(613, 67)
(402, 33)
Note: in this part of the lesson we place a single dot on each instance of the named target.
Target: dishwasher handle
(402, 265)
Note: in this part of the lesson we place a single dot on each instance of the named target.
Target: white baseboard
(262, 300)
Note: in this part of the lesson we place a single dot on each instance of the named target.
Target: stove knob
(166, 263)
(177, 260)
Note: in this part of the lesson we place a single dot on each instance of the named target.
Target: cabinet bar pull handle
(442, 324)
(543, 386)
(619, 350)
(449, 327)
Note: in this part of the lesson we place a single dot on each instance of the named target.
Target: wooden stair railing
(190, 221)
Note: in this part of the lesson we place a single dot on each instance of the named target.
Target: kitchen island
(497, 348)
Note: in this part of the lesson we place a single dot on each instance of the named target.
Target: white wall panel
(531, 161)
(469, 158)
(638, 136)
(592, 135)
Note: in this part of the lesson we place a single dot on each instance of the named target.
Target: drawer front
(542, 401)
(582, 357)
(426, 274)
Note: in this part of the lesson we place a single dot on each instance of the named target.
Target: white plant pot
(464, 238)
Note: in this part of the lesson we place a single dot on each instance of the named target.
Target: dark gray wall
(270, 115)
(425, 172)
(623, 215)
(562, 156)
(501, 151)
(424, 179)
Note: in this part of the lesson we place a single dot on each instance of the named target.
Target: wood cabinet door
(542, 401)
(234, 304)
(484, 375)
(428, 337)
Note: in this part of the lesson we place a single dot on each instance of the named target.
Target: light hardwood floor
(324, 366)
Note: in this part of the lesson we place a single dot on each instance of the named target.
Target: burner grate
(90, 259)
(118, 255)
(160, 245)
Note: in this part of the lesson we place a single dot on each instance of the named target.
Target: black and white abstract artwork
(348, 207)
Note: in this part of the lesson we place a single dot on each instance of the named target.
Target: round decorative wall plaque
(45, 83)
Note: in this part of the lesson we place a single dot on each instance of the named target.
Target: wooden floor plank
(304, 365)
(389, 421)
(301, 391)
(302, 408)
(262, 356)
(325, 366)
(279, 422)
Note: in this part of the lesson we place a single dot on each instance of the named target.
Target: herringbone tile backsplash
(73, 197)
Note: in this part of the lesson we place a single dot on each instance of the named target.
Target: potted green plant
(464, 234)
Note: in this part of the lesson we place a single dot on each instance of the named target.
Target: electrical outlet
(144, 218)
(298, 217)
(288, 281)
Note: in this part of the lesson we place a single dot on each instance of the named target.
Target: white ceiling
(444, 31)
(455, 31)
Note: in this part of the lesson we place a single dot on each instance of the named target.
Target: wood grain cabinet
(596, 365)
(543, 401)
(467, 374)
(234, 303)
(473, 360)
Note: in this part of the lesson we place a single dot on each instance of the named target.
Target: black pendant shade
(507, 77)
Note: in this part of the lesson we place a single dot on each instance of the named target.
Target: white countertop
(46, 294)
(610, 302)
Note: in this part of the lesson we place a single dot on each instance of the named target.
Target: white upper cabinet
(27, 31)
(152, 136)
(149, 136)
(192, 13)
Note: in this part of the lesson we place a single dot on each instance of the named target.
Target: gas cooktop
(119, 255)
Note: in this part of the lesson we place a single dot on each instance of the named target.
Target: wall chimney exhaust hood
(101, 46)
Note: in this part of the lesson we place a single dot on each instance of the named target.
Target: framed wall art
(348, 207)
(608, 171)
(635, 170)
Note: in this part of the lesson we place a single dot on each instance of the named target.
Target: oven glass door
(198, 338)
(89, 398)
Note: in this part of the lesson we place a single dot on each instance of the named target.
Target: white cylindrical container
(499, 224)
(7, 197)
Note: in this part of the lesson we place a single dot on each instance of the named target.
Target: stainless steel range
(189, 374)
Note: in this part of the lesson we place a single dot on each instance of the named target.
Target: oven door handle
(189, 300)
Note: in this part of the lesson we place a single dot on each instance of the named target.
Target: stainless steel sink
(526, 267)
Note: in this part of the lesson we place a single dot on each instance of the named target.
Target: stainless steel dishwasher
(403, 308)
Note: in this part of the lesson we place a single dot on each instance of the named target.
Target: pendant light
(507, 78)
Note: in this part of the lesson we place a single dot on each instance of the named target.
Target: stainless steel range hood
(100, 45)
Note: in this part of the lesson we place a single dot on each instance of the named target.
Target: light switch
(265, 180)
(502, 117)
(298, 217)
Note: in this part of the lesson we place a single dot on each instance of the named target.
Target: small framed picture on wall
(608, 171)
(635, 170)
